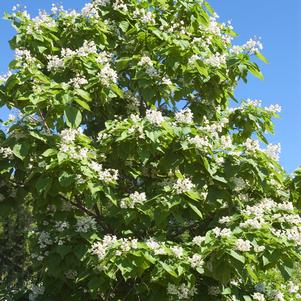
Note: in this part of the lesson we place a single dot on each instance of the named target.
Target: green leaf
(43, 184)
(63, 250)
(237, 256)
(124, 25)
(83, 94)
(66, 179)
(256, 72)
(168, 269)
(261, 57)
(196, 210)
(49, 152)
(82, 104)
(20, 150)
(73, 117)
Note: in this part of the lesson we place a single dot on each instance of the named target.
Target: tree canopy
(144, 181)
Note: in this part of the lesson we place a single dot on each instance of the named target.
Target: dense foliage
(142, 182)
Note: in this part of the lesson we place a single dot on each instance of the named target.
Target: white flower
(254, 102)
(145, 16)
(101, 2)
(108, 75)
(44, 240)
(216, 60)
(259, 249)
(182, 292)
(68, 136)
(100, 248)
(258, 297)
(243, 245)
(90, 11)
(222, 232)
(224, 219)
(145, 61)
(134, 199)
(273, 150)
(198, 240)
(85, 223)
(251, 145)
(199, 142)
(214, 290)
(54, 62)
(78, 81)
(184, 116)
(273, 108)
(183, 186)
(166, 81)
(156, 247)
(196, 261)
(61, 226)
(6, 152)
(177, 251)
(154, 117)
(36, 291)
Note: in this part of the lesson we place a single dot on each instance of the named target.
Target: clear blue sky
(278, 23)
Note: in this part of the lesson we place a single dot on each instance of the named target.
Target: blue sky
(278, 23)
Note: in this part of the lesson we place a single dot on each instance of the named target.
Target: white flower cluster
(144, 16)
(6, 152)
(184, 116)
(89, 47)
(273, 108)
(134, 199)
(183, 186)
(196, 261)
(273, 150)
(154, 116)
(147, 63)
(85, 223)
(24, 55)
(177, 251)
(78, 81)
(108, 75)
(42, 20)
(44, 240)
(243, 245)
(36, 291)
(166, 81)
(218, 232)
(258, 297)
(252, 102)
(250, 47)
(61, 226)
(254, 223)
(199, 142)
(68, 136)
(198, 240)
(90, 11)
(216, 60)
(102, 2)
(4, 77)
(251, 145)
(105, 175)
(157, 248)
(182, 291)
(293, 234)
(120, 5)
(214, 290)
(101, 248)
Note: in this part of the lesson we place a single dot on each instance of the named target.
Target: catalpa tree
(144, 183)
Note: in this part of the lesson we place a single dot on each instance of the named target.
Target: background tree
(144, 184)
